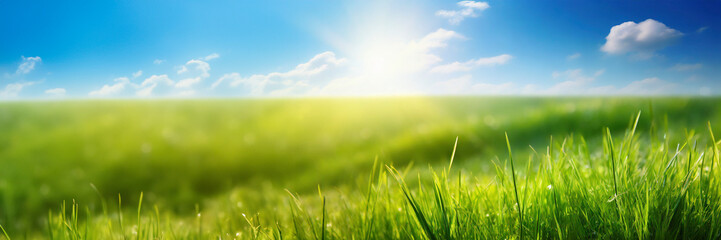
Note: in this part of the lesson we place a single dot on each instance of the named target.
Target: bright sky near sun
(158, 49)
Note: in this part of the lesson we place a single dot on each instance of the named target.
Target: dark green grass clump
(629, 187)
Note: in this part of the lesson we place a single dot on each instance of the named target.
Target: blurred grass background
(183, 152)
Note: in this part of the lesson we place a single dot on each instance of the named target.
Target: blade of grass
(453, 154)
(4, 232)
(140, 205)
(420, 217)
(515, 189)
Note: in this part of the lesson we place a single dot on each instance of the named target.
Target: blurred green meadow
(191, 156)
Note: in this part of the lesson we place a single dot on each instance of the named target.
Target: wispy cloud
(112, 90)
(158, 61)
(11, 90)
(284, 83)
(465, 85)
(686, 67)
(573, 56)
(574, 82)
(467, 9)
(210, 57)
(436, 39)
(648, 86)
(644, 87)
(28, 64)
(56, 92)
(138, 73)
(471, 64)
(150, 83)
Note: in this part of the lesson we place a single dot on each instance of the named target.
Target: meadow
(365, 168)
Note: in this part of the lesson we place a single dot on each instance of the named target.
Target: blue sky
(158, 49)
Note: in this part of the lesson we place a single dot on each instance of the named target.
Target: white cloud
(194, 72)
(158, 61)
(643, 38)
(110, 90)
(12, 90)
(228, 77)
(399, 67)
(210, 57)
(58, 92)
(408, 58)
(157, 79)
(573, 56)
(28, 64)
(291, 82)
(394, 63)
(470, 64)
(147, 87)
(377, 66)
(188, 82)
(467, 9)
(702, 29)
(686, 67)
(190, 74)
(437, 39)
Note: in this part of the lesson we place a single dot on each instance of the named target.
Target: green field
(367, 168)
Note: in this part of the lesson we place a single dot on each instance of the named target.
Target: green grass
(189, 170)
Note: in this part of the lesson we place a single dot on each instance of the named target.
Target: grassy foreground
(626, 188)
(655, 179)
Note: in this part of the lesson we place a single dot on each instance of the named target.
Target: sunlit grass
(658, 180)
(663, 192)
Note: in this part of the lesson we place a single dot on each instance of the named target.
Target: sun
(380, 47)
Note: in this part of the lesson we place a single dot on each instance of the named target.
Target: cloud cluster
(27, 65)
(190, 74)
(643, 38)
(382, 71)
(467, 9)
(396, 66)
(302, 78)
(194, 71)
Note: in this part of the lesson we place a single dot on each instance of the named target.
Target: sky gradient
(169, 49)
